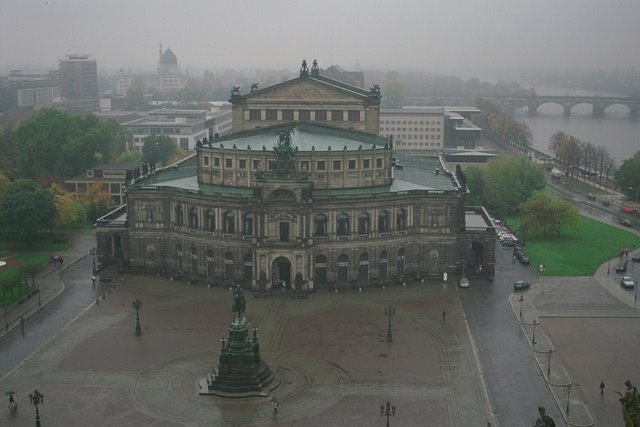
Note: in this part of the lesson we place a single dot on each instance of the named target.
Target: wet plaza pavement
(329, 352)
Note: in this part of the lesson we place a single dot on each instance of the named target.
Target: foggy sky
(429, 35)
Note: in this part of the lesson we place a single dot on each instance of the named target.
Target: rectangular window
(256, 164)
(378, 163)
(337, 116)
(287, 114)
(352, 164)
(304, 165)
(270, 165)
(320, 165)
(216, 161)
(321, 115)
(366, 164)
(336, 165)
(228, 163)
(304, 115)
(242, 164)
(254, 114)
(205, 160)
(272, 114)
(354, 116)
(184, 143)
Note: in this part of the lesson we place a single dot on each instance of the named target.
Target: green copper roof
(306, 137)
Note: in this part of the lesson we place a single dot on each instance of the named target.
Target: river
(616, 131)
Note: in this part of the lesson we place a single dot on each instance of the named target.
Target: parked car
(621, 267)
(635, 258)
(523, 258)
(521, 284)
(509, 242)
(627, 282)
(464, 282)
(625, 222)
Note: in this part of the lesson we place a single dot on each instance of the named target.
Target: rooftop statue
(284, 149)
(304, 70)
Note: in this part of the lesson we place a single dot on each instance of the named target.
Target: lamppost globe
(36, 398)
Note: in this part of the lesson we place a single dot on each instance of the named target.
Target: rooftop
(306, 137)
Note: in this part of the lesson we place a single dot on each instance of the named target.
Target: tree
(8, 152)
(509, 181)
(541, 214)
(53, 145)
(65, 206)
(97, 201)
(475, 185)
(628, 176)
(158, 148)
(26, 211)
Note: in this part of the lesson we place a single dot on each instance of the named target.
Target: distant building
(185, 127)
(353, 78)
(79, 84)
(31, 91)
(460, 131)
(168, 76)
(113, 176)
(414, 128)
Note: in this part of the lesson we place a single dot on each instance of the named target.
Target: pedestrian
(444, 315)
(97, 301)
(274, 405)
(602, 387)
(61, 261)
(93, 280)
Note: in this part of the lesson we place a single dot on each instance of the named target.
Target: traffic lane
(514, 380)
(47, 322)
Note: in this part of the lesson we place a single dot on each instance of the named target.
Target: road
(516, 385)
(46, 323)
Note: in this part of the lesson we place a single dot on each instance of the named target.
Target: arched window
(363, 223)
(342, 225)
(229, 223)
(343, 268)
(401, 219)
(247, 225)
(363, 268)
(383, 262)
(321, 270)
(193, 218)
(383, 222)
(179, 215)
(210, 220)
(320, 225)
(400, 262)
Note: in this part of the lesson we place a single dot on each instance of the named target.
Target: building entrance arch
(281, 272)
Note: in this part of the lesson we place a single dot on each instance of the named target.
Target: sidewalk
(50, 281)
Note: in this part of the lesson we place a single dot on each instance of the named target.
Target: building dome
(168, 58)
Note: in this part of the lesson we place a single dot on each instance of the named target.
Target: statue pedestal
(241, 372)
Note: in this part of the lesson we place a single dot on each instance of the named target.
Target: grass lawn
(577, 253)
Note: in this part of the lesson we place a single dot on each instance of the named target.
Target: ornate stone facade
(341, 210)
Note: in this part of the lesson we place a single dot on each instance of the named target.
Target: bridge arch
(617, 105)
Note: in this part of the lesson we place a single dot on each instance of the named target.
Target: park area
(19, 265)
(579, 252)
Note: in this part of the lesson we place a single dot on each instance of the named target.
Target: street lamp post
(635, 199)
(568, 399)
(521, 301)
(533, 338)
(389, 311)
(387, 411)
(543, 268)
(137, 305)
(36, 399)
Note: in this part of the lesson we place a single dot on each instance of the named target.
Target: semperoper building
(304, 194)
